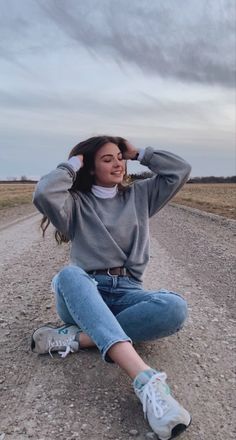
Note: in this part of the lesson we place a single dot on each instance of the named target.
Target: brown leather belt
(120, 271)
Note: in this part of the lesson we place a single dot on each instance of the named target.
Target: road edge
(214, 217)
(18, 220)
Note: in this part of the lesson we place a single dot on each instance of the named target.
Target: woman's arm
(53, 198)
(171, 173)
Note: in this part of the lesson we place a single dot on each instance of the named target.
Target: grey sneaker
(165, 415)
(61, 339)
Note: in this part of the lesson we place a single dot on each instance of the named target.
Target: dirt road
(82, 398)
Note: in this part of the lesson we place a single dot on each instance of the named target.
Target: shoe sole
(180, 431)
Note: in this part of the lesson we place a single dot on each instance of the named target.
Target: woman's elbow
(187, 170)
(39, 198)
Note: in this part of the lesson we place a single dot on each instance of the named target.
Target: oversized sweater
(111, 232)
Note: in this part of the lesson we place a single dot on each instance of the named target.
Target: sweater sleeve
(53, 198)
(171, 173)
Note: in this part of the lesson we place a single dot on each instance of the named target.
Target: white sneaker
(165, 415)
(62, 339)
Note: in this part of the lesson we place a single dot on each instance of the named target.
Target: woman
(100, 295)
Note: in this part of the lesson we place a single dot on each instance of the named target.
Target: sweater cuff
(146, 156)
(75, 162)
(141, 154)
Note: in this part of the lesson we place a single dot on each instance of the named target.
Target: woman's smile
(118, 173)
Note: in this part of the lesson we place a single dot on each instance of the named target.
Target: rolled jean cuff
(105, 356)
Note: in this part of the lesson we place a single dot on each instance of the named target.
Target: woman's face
(109, 165)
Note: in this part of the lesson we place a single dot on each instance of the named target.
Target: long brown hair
(84, 179)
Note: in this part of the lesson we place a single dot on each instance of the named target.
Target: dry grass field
(15, 194)
(217, 198)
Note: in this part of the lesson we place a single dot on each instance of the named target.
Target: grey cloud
(36, 100)
(190, 41)
(45, 101)
(165, 112)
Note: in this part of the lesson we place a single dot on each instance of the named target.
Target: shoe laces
(59, 343)
(152, 394)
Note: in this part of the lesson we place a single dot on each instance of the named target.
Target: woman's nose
(116, 162)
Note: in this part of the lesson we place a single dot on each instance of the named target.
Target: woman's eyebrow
(109, 155)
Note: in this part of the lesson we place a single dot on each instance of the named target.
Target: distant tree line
(213, 179)
(145, 175)
(208, 179)
(22, 179)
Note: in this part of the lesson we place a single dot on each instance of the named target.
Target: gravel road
(83, 398)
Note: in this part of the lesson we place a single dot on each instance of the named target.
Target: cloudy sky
(157, 72)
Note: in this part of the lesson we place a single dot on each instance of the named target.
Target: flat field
(15, 194)
(217, 198)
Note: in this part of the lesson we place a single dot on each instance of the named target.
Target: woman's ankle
(124, 354)
(84, 340)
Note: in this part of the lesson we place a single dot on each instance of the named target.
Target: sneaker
(165, 415)
(61, 339)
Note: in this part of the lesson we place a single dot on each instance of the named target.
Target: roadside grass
(217, 198)
(15, 194)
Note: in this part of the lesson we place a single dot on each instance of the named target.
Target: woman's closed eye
(111, 159)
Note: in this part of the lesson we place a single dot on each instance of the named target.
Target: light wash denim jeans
(111, 308)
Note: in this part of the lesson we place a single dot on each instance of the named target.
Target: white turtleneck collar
(104, 192)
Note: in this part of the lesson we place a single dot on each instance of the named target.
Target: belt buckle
(123, 272)
(110, 274)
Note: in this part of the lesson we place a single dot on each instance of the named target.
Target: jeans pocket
(133, 281)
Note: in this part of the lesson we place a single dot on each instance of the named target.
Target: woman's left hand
(131, 151)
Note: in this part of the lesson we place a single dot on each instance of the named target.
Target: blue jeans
(112, 309)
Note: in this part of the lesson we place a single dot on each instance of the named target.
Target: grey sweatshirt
(111, 232)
